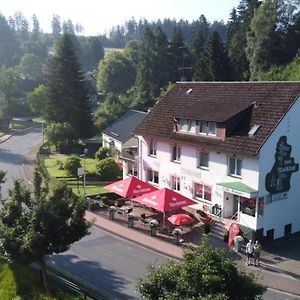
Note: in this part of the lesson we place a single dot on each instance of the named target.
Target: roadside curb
(4, 138)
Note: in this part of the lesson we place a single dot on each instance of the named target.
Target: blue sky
(97, 17)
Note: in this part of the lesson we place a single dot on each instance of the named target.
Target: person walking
(249, 252)
(256, 253)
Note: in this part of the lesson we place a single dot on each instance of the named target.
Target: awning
(237, 188)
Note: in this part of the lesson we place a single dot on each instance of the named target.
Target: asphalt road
(275, 295)
(107, 263)
(13, 154)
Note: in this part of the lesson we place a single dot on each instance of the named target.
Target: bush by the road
(72, 164)
(107, 169)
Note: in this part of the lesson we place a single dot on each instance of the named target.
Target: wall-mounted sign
(190, 172)
(279, 178)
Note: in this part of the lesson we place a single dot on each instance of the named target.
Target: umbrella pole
(164, 219)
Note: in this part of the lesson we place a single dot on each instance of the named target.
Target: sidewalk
(277, 272)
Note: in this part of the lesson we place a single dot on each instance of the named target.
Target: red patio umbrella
(130, 187)
(164, 200)
(181, 219)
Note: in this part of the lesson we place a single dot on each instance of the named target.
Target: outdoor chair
(143, 219)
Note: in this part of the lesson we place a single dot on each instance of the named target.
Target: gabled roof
(268, 102)
(122, 128)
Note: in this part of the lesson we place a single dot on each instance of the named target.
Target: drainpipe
(239, 211)
(140, 164)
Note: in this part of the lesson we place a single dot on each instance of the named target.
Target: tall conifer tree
(214, 64)
(68, 100)
(261, 39)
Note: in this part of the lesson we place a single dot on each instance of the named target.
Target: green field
(22, 282)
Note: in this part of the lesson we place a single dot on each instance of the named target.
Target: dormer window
(187, 125)
(208, 128)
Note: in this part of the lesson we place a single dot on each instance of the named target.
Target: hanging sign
(279, 178)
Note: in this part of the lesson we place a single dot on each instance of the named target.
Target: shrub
(101, 153)
(106, 201)
(93, 205)
(107, 169)
(71, 165)
(226, 234)
(207, 228)
(60, 165)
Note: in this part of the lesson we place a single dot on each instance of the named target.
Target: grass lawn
(89, 189)
(51, 163)
(21, 124)
(22, 282)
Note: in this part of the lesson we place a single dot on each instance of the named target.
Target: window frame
(188, 126)
(235, 173)
(199, 155)
(203, 192)
(177, 158)
(205, 126)
(177, 186)
(152, 181)
(152, 151)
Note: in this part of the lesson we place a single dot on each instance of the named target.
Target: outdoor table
(125, 208)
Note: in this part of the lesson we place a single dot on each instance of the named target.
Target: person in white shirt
(249, 252)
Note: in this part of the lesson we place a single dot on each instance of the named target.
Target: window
(152, 148)
(202, 192)
(191, 126)
(247, 206)
(183, 124)
(235, 166)
(188, 125)
(175, 183)
(209, 128)
(152, 176)
(212, 128)
(176, 153)
(202, 160)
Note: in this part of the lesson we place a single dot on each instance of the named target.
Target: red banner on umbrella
(234, 230)
(130, 187)
(164, 200)
(181, 219)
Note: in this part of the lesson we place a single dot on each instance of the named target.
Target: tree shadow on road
(92, 274)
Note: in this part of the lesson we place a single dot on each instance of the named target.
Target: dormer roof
(266, 103)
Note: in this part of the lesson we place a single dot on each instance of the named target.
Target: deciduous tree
(39, 224)
(205, 273)
(116, 73)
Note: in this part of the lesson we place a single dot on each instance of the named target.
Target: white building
(118, 138)
(233, 146)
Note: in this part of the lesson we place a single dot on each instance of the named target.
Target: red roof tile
(270, 102)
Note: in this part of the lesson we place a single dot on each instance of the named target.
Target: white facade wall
(280, 213)
(189, 174)
(106, 142)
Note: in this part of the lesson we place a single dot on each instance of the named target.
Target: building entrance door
(236, 200)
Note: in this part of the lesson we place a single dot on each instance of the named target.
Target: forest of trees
(260, 41)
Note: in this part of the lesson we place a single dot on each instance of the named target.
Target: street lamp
(84, 171)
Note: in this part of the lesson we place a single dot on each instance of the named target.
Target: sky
(98, 17)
